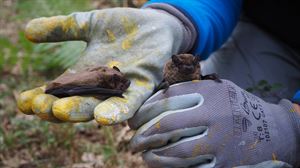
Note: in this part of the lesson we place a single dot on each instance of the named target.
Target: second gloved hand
(137, 41)
(212, 124)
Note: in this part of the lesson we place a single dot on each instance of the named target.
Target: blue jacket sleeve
(213, 19)
(296, 98)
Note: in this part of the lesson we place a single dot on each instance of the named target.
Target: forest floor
(26, 141)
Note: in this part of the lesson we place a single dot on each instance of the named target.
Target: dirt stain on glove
(131, 29)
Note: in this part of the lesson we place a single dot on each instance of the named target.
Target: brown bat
(181, 68)
(101, 82)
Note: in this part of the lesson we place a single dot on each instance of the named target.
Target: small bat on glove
(101, 82)
(182, 68)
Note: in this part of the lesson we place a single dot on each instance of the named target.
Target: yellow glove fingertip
(75, 109)
(62, 108)
(99, 115)
(111, 111)
(103, 121)
(24, 101)
(42, 107)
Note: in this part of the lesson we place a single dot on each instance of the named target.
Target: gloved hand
(210, 124)
(137, 41)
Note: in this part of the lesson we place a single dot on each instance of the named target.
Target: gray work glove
(137, 41)
(210, 124)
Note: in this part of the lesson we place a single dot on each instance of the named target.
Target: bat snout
(125, 84)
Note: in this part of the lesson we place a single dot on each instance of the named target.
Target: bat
(181, 68)
(101, 82)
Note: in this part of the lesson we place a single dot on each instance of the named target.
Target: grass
(26, 141)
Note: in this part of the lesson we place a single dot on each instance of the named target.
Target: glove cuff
(190, 33)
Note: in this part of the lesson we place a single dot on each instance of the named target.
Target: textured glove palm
(215, 125)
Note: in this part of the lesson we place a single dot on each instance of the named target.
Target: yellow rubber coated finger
(59, 28)
(42, 107)
(75, 109)
(24, 101)
(116, 109)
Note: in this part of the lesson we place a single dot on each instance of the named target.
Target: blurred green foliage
(24, 65)
(38, 8)
(41, 57)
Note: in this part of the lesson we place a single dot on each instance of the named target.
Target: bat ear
(116, 68)
(175, 59)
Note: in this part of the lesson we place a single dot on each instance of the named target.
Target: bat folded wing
(95, 91)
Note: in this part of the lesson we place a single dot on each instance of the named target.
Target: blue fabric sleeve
(296, 98)
(213, 19)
